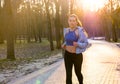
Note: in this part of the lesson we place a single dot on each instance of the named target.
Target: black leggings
(70, 59)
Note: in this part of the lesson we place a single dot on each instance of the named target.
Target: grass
(115, 42)
(6, 64)
(119, 40)
(28, 52)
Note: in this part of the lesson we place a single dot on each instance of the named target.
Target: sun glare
(2, 3)
(93, 5)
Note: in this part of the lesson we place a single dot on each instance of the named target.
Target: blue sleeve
(82, 41)
(64, 32)
(64, 43)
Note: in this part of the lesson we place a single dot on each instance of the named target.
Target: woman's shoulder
(66, 29)
(80, 28)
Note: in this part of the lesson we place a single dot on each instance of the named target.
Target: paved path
(101, 65)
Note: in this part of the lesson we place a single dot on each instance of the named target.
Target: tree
(110, 19)
(71, 6)
(58, 24)
(106, 23)
(49, 24)
(114, 36)
(9, 26)
(1, 26)
(64, 13)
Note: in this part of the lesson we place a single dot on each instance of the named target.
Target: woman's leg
(78, 66)
(68, 67)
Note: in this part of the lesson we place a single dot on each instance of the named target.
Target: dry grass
(25, 53)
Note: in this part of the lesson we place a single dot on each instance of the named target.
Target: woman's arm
(82, 41)
(64, 43)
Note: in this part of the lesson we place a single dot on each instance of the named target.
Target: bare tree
(71, 6)
(9, 26)
(1, 26)
(114, 36)
(58, 24)
(49, 24)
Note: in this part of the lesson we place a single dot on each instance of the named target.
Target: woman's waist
(70, 46)
(71, 49)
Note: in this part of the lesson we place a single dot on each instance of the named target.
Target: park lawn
(26, 53)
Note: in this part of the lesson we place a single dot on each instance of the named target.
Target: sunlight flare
(93, 5)
(2, 3)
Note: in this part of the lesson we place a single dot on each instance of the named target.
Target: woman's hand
(75, 44)
(63, 46)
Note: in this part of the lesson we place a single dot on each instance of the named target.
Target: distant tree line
(32, 20)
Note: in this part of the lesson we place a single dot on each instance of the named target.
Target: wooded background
(31, 20)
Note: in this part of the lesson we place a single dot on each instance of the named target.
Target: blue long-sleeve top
(82, 40)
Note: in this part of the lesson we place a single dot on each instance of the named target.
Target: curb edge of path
(34, 74)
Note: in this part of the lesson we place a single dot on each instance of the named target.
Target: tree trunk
(28, 23)
(58, 25)
(40, 27)
(39, 35)
(114, 36)
(106, 29)
(1, 27)
(64, 16)
(9, 25)
(107, 33)
(1, 36)
(71, 6)
(49, 25)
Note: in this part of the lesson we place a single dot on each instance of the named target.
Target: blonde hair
(79, 23)
(77, 19)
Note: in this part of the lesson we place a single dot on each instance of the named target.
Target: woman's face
(72, 22)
